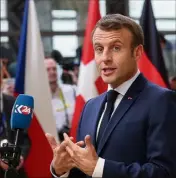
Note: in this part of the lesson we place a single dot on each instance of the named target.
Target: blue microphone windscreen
(22, 112)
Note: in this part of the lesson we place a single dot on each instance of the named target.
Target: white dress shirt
(58, 105)
(122, 89)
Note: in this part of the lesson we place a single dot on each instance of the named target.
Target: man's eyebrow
(112, 42)
(116, 41)
(96, 43)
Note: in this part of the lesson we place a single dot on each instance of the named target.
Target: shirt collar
(56, 93)
(122, 89)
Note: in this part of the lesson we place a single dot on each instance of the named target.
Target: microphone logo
(22, 109)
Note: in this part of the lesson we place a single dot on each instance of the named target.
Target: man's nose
(52, 71)
(106, 56)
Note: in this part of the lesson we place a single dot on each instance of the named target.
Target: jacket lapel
(99, 107)
(127, 101)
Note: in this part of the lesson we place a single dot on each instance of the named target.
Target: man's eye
(116, 48)
(99, 49)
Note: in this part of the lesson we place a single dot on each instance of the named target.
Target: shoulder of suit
(98, 98)
(157, 88)
(158, 92)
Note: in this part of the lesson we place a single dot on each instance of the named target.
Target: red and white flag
(90, 83)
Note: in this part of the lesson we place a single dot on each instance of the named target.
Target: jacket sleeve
(76, 172)
(161, 144)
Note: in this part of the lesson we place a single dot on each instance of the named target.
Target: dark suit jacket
(139, 141)
(24, 141)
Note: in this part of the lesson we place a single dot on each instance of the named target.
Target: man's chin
(52, 82)
(107, 81)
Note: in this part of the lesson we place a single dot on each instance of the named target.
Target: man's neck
(123, 80)
(53, 87)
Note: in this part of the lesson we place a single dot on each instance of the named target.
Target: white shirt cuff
(65, 175)
(98, 171)
(55, 176)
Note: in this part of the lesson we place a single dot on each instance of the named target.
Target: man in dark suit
(7, 135)
(129, 131)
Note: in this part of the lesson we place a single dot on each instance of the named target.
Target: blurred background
(63, 22)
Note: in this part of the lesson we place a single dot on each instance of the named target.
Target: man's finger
(70, 152)
(80, 143)
(51, 140)
(62, 146)
(69, 143)
(88, 141)
(71, 138)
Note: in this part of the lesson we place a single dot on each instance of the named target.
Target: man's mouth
(108, 71)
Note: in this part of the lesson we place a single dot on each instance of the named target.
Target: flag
(152, 63)
(89, 83)
(31, 79)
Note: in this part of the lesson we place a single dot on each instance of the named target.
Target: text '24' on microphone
(21, 117)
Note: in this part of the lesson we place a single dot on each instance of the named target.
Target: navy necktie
(111, 97)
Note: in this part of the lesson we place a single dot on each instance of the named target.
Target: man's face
(115, 59)
(51, 68)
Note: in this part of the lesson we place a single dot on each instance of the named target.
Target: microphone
(22, 113)
(21, 118)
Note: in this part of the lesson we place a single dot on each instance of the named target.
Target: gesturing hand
(5, 166)
(84, 158)
(62, 161)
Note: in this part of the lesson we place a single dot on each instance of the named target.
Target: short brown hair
(117, 21)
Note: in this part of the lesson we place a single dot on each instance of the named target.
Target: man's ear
(138, 51)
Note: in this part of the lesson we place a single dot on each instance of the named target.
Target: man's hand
(21, 163)
(62, 161)
(84, 158)
(5, 166)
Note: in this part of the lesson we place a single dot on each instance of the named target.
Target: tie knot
(111, 96)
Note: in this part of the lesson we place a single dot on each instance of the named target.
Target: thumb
(80, 143)
(51, 140)
(88, 141)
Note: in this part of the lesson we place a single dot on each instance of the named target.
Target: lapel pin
(129, 98)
